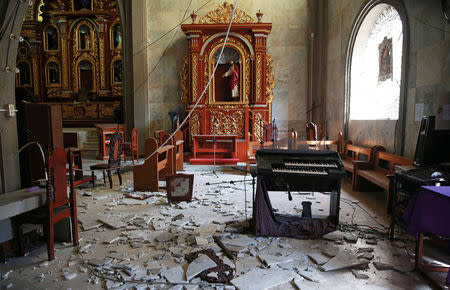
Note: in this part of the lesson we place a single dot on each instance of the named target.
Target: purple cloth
(269, 224)
(428, 212)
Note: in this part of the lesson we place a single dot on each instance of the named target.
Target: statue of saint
(233, 73)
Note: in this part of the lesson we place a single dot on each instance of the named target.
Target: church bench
(353, 154)
(146, 176)
(380, 172)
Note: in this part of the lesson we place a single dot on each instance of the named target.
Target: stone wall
(428, 72)
(287, 43)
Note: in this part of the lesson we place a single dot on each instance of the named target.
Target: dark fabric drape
(269, 224)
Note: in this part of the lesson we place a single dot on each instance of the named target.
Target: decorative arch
(81, 21)
(222, 34)
(53, 73)
(78, 74)
(365, 10)
(51, 38)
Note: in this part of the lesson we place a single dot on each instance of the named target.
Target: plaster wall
(287, 43)
(428, 72)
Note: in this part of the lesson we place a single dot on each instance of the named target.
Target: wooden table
(104, 134)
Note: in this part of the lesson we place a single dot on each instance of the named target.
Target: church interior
(203, 144)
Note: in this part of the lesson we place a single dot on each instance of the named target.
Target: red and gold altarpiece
(222, 111)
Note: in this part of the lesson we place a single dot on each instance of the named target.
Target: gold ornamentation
(258, 77)
(270, 78)
(228, 122)
(194, 124)
(244, 63)
(223, 15)
(257, 130)
(194, 77)
(102, 62)
(184, 79)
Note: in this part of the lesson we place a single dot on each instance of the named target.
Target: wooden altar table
(225, 147)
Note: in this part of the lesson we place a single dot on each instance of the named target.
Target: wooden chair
(311, 132)
(146, 176)
(115, 150)
(132, 146)
(58, 204)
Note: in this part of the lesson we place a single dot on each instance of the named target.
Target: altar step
(209, 161)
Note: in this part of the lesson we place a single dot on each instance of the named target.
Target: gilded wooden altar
(219, 111)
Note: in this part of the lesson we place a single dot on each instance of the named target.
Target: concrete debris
(316, 246)
(345, 259)
(6, 275)
(351, 238)
(70, 276)
(263, 279)
(177, 287)
(201, 241)
(312, 276)
(272, 260)
(174, 275)
(84, 248)
(368, 256)
(165, 237)
(333, 236)
(113, 222)
(159, 225)
(365, 250)
(100, 197)
(382, 266)
(371, 242)
(202, 263)
(10, 285)
(330, 250)
(318, 258)
(43, 264)
(359, 275)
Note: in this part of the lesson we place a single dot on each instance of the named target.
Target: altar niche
(228, 77)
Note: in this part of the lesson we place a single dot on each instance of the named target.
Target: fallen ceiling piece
(113, 222)
(334, 236)
(318, 258)
(199, 265)
(345, 259)
(174, 275)
(263, 279)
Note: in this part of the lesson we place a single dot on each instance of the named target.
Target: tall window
(376, 66)
(24, 77)
(52, 38)
(52, 73)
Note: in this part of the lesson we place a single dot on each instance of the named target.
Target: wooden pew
(353, 154)
(381, 172)
(170, 168)
(178, 142)
(146, 176)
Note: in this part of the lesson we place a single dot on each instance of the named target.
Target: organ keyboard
(302, 170)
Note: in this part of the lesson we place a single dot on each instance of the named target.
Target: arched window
(376, 66)
(85, 76)
(52, 73)
(84, 37)
(117, 72)
(51, 38)
(24, 76)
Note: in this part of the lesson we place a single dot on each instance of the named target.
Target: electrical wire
(42, 153)
(428, 24)
(163, 35)
(6, 22)
(206, 87)
(164, 52)
(9, 41)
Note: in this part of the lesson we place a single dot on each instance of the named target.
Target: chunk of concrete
(345, 259)
(365, 250)
(272, 260)
(351, 238)
(201, 241)
(330, 250)
(113, 222)
(165, 237)
(263, 279)
(318, 258)
(312, 276)
(368, 256)
(202, 263)
(174, 275)
(334, 236)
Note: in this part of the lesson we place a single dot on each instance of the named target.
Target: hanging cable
(164, 52)
(206, 87)
(9, 41)
(172, 29)
(6, 22)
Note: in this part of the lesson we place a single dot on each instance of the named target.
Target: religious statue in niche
(385, 59)
(53, 73)
(117, 37)
(227, 79)
(84, 37)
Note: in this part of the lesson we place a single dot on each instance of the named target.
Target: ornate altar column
(102, 43)
(65, 58)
